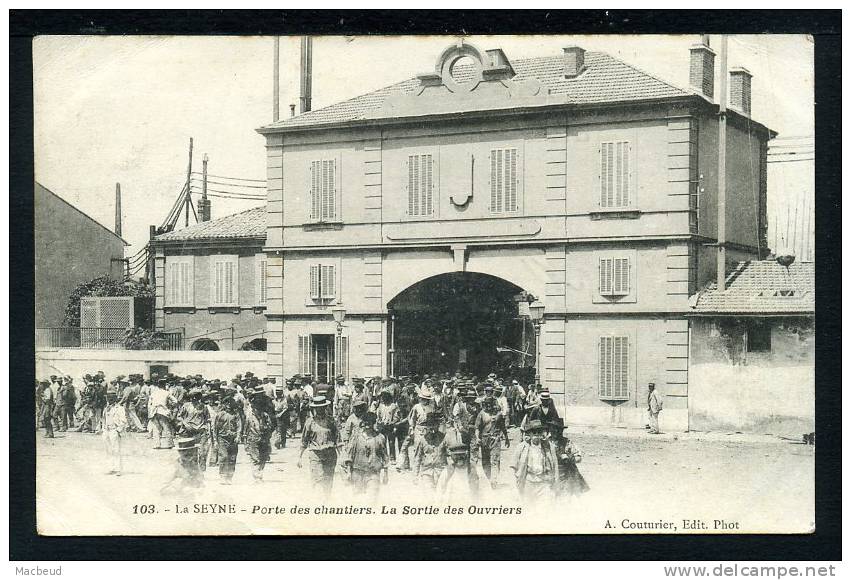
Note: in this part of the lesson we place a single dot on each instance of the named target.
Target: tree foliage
(106, 286)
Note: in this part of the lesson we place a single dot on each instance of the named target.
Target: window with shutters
(614, 276)
(615, 174)
(224, 280)
(420, 186)
(341, 356)
(323, 282)
(260, 283)
(180, 281)
(504, 180)
(323, 190)
(614, 368)
(305, 350)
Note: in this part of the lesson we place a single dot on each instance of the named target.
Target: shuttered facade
(614, 368)
(323, 190)
(420, 185)
(615, 174)
(504, 180)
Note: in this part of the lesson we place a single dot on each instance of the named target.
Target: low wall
(752, 399)
(211, 364)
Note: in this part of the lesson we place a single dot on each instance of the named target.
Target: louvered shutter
(314, 282)
(328, 281)
(503, 180)
(620, 283)
(605, 276)
(260, 283)
(615, 174)
(341, 356)
(613, 368)
(329, 190)
(621, 366)
(605, 369)
(180, 289)
(304, 348)
(420, 185)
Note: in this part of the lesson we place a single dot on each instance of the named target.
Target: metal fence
(105, 339)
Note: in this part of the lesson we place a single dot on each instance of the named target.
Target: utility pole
(276, 85)
(188, 182)
(722, 169)
(118, 209)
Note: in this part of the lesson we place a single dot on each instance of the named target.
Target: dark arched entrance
(459, 321)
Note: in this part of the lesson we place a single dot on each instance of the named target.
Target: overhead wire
(231, 178)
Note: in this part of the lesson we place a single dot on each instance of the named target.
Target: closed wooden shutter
(613, 368)
(615, 174)
(224, 290)
(341, 356)
(328, 282)
(179, 289)
(420, 185)
(503, 180)
(304, 354)
(260, 283)
(314, 282)
(323, 190)
(620, 282)
(605, 276)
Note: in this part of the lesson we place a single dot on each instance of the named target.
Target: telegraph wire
(231, 178)
(197, 180)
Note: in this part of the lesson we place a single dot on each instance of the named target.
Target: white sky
(121, 109)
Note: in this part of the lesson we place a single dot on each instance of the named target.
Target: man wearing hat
(66, 402)
(321, 438)
(366, 458)
(342, 400)
(416, 421)
(535, 466)
(258, 432)
(160, 405)
(187, 472)
(114, 426)
(48, 400)
(387, 418)
(545, 411)
(360, 394)
(193, 420)
(430, 454)
(516, 401)
(488, 436)
(654, 407)
(352, 423)
(282, 417)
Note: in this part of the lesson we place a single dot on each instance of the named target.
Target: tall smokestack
(306, 74)
(204, 202)
(118, 209)
(276, 84)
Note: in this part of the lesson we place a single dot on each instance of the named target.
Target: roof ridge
(644, 72)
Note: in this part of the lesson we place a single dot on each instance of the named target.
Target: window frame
(607, 268)
(318, 292)
(762, 327)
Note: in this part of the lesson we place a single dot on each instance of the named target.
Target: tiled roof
(762, 287)
(247, 224)
(605, 80)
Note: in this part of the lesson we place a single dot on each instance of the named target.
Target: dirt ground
(639, 483)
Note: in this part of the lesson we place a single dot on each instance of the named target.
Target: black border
(824, 544)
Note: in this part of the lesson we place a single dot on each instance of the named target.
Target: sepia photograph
(424, 285)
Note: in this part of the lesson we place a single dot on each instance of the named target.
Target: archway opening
(461, 321)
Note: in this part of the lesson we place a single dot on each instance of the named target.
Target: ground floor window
(759, 336)
(614, 368)
(324, 356)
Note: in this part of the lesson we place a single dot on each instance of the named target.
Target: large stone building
(424, 209)
(70, 249)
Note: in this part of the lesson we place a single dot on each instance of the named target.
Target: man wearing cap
(416, 423)
(360, 394)
(67, 403)
(430, 455)
(488, 436)
(516, 401)
(193, 420)
(258, 432)
(387, 418)
(227, 428)
(545, 411)
(282, 417)
(352, 424)
(320, 437)
(654, 407)
(114, 426)
(342, 400)
(366, 458)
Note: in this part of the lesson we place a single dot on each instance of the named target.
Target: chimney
(498, 66)
(306, 74)
(740, 89)
(701, 72)
(118, 209)
(574, 61)
(204, 202)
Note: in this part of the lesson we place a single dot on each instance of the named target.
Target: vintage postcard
(396, 285)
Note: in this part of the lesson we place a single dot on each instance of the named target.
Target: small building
(70, 249)
(752, 363)
(211, 282)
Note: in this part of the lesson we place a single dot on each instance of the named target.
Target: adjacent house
(70, 249)
(406, 222)
(752, 354)
(211, 282)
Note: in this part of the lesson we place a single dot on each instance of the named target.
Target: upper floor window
(420, 185)
(615, 174)
(180, 281)
(323, 190)
(224, 280)
(614, 276)
(323, 282)
(504, 180)
(260, 284)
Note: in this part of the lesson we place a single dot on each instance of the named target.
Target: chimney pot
(740, 89)
(574, 61)
(701, 74)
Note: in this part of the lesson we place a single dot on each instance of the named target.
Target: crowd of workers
(446, 431)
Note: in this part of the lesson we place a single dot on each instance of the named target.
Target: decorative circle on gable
(447, 60)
